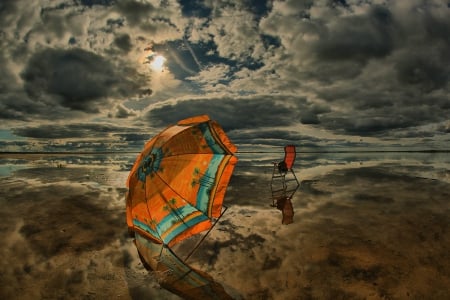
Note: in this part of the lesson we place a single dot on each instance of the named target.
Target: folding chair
(284, 182)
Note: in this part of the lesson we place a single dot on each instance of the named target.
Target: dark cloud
(273, 138)
(437, 26)
(123, 42)
(81, 136)
(364, 125)
(13, 107)
(424, 72)
(257, 7)
(376, 115)
(68, 131)
(7, 7)
(136, 137)
(444, 128)
(231, 114)
(135, 12)
(14, 143)
(91, 3)
(415, 134)
(195, 8)
(243, 113)
(358, 37)
(378, 122)
(11, 95)
(76, 79)
(311, 115)
(263, 136)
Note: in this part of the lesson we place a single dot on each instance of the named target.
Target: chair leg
(277, 185)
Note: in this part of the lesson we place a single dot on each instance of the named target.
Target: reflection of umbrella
(176, 189)
(175, 276)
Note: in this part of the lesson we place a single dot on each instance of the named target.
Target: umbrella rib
(206, 234)
(179, 217)
(150, 215)
(219, 141)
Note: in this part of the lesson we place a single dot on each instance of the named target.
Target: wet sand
(359, 233)
(365, 234)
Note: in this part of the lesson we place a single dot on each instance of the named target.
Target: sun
(157, 64)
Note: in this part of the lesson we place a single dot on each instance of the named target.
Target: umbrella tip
(196, 119)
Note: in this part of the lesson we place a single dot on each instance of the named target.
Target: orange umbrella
(178, 182)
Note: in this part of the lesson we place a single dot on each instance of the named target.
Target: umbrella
(176, 189)
(178, 182)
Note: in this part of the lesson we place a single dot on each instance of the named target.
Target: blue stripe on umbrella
(146, 228)
(175, 222)
(207, 182)
(183, 226)
(210, 140)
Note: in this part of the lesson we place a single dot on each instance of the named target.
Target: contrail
(174, 55)
(186, 43)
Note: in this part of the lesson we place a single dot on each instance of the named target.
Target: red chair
(284, 182)
(289, 158)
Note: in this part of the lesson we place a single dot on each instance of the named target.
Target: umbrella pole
(203, 238)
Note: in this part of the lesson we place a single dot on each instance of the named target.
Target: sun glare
(157, 63)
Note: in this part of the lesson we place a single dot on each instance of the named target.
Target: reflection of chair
(284, 183)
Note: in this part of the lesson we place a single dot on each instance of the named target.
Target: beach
(363, 228)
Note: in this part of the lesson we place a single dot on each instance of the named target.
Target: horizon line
(237, 152)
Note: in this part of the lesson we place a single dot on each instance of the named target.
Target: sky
(107, 75)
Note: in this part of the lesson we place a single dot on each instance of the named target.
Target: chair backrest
(289, 156)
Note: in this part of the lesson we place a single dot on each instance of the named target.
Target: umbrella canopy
(178, 182)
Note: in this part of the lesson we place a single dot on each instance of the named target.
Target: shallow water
(366, 226)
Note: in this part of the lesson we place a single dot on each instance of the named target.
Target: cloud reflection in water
(363, 225)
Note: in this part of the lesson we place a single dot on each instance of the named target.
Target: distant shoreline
(356, 151)
(68, 152)
(12, 154)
